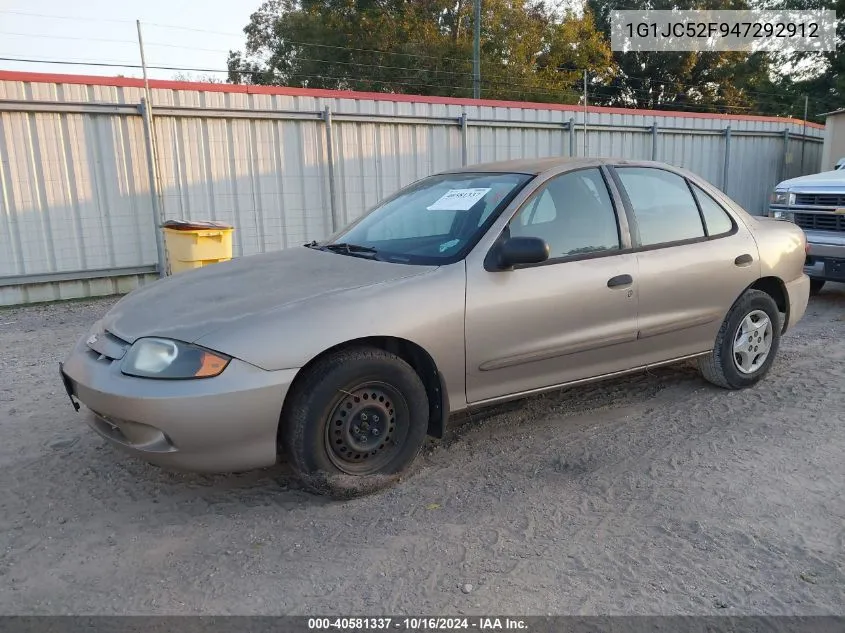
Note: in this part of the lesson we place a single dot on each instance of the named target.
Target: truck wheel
(816, 286)
(746, 344)
(355, 422)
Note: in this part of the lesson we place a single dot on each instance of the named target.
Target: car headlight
(782, 215)
(782, 197)
(163, 358)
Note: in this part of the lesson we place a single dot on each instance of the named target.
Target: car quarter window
(663, 205)
(716, 219)
(573, 213)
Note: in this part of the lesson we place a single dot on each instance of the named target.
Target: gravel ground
(654, 494)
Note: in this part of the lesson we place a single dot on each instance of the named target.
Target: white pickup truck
(816, 203)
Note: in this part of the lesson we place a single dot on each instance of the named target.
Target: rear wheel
(355, 422)
(746, 344)
(816, 286)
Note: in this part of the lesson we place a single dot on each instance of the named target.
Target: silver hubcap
(753, 342)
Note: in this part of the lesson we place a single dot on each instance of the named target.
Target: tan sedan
(466, 288)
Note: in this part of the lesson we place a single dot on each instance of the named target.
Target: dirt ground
(654, 494)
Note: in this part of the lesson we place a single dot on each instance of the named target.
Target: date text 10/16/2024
(418, 624)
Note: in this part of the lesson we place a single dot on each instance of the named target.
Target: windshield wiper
(356, 250)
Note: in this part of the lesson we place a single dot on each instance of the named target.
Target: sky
(176, 33)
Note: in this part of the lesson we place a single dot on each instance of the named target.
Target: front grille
(107, 346)
(820, 199)
(820, 221)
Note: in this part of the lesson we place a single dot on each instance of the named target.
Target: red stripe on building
(163, 84)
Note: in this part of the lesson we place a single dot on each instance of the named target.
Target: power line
(314, 44)
(74, 62)
(518, 88)
(217, 70)
(220, 50)
(400, 80)
(499, 80)
(72, 37)
(66, 17)
(192, 28)
(241, 35)
(773, 95)
(381, 66)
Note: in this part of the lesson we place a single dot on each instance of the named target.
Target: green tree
(820, 76)
(711, 81)
(421, 47)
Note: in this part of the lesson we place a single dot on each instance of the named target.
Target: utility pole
(476, 52)
(586, 147)
(143, 61)
(152, 162)
(804, 133)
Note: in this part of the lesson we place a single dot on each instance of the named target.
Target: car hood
(823, 179)
(192, 304)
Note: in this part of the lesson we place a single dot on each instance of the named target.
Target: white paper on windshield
(459, 199)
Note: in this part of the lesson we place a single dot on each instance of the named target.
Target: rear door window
(663, 205)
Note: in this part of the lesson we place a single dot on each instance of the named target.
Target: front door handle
(620, 281)
(743, 260)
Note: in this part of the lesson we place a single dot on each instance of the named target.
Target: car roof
(536, 166)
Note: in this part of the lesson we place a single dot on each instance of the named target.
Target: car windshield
(434, 221)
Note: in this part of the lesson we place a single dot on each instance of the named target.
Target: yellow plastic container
(189, 247)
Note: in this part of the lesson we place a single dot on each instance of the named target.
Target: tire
(721, 366)
(354, 422)
(816, 286)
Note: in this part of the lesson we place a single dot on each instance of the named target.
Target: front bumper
(798, 293)
(223, 424)
(825, 255)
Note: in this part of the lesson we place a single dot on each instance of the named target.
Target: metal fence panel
(265, 177)
(74, 193)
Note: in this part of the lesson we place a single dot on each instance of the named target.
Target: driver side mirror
(519, 250)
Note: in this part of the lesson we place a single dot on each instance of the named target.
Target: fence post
(571, 136)
(726, 173)
(654, 140)
(785, 154)
(158, 217)
(464, 140)
(327, 120)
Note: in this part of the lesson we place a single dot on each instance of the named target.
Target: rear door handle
(743, 260)
(620, 280)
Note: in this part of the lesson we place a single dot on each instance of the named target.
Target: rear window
(716, 219)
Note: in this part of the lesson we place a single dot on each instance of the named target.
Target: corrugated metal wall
(75, 192)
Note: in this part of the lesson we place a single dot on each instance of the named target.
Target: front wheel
(355, 422)
(746, 344)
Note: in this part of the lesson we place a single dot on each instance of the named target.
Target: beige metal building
(834, 139)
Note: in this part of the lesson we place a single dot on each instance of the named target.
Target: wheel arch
(413, 354)
(776, 289)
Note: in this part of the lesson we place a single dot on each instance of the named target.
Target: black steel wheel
(367, 428)
(354, 422)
